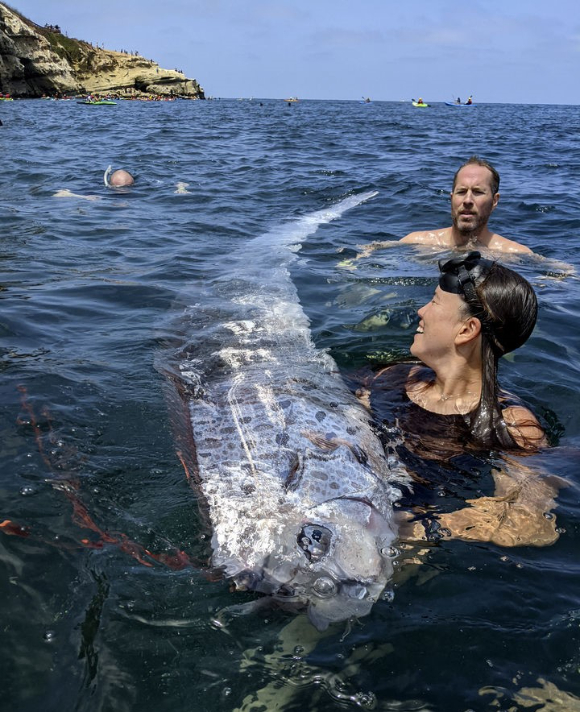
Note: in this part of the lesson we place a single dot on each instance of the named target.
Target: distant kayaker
(469, 101)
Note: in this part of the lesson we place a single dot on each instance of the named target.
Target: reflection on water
(89, 291)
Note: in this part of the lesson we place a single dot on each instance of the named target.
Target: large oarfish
(296, 483)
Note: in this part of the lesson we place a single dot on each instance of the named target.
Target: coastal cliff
(37, 61)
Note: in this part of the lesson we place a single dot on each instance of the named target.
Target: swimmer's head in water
(118, 179)
(121, 178)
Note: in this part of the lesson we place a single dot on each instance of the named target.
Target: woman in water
(453, 416)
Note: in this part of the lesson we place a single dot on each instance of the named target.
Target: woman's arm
(519, 513)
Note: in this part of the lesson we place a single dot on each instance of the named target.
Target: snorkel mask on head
(459, 275)
(107, 175)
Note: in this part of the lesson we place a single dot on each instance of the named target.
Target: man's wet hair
(477, 161)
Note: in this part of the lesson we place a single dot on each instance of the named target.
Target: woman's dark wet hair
(506, 305)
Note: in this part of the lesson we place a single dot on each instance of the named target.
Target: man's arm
(425, 237)
(421, 237)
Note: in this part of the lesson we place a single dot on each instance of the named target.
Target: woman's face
(439, 323)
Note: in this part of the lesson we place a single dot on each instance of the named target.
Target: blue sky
(518, 51)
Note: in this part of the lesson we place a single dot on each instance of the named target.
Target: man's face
(472, 201)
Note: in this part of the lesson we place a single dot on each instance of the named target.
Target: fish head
(354, 564)
(337, 561)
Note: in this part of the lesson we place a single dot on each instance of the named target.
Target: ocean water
(90, 290)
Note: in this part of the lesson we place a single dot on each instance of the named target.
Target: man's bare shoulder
(502, 244)
(439, 236)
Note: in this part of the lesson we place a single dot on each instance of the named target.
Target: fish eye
(324, 587)
(314, 540)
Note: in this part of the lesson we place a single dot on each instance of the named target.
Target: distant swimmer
(118, 179)
(112, 179)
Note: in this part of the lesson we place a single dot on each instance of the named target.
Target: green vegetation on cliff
(36, 61)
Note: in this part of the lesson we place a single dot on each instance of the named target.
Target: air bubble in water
(366, 700)
(389, 551)
(28, 491)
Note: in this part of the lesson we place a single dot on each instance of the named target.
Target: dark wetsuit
(447, 465)
(450, 469)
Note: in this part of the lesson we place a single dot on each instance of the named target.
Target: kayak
(452, 103)
(110, 103)
(421, 105)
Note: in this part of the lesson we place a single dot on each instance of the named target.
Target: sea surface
(90, 480)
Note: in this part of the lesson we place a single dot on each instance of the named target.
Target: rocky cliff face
(41, 60)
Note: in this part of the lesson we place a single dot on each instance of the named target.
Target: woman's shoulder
(521, 423)
(524, 427)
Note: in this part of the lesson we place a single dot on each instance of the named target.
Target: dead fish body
(298, 489)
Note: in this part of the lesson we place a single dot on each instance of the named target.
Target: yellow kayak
(420, 104)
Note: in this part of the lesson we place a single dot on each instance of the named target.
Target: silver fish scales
(298, 488)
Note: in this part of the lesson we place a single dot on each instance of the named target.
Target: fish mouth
(334, 602)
